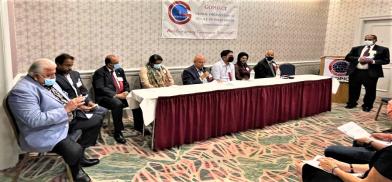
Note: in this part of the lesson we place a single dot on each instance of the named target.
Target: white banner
(200, 19)
(336, 68)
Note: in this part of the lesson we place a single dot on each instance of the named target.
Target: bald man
(266, 67)
(43, 114)
(196, 73)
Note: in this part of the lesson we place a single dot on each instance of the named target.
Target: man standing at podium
(365, 68)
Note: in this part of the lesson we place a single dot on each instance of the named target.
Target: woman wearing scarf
(154, 74)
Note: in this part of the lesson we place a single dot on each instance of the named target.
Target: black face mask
(231, 59)
(269, 58)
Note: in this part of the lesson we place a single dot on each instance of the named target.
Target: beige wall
(90, 29)
(343, 22)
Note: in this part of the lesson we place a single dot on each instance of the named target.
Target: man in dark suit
(196, 73)
(365, 68)
(266, 67)
(111, 89)
(89, 116)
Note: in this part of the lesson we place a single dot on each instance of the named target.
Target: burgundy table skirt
(185, 119)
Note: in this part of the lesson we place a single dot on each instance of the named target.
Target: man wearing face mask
(266, 67)
(223, 70)
(365, 68)
(43, 114)
(111, 89)
(196, 73)
(90, 115)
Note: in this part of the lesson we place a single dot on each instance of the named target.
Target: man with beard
(88, 117)
(223, 70)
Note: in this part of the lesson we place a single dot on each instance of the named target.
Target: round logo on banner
(179, 12)
(338, 67)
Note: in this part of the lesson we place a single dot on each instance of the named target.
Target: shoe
(82, 176)
(119, 138)
(350, 106)
(88, 162)
(366, 109)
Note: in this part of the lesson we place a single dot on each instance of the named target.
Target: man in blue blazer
(196, 73)
(365, 68)
(42, 112)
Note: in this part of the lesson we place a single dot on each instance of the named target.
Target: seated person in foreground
(378, 170)
(242, 70)
(154, 74)
(267, 67)
(70, 82)
(111, 89)
(361, 152)
(43, 114)
(196, 73)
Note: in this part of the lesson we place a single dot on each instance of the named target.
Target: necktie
(366, 53)
(59, 96)
(230, 78)
(116, 84)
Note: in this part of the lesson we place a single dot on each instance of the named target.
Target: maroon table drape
(188, 118)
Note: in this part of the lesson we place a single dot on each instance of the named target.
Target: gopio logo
(339, 67)
(179, 12)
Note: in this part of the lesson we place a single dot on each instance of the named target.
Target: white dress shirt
(221, 71)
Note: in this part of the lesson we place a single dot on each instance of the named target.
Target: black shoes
(366, 109)
(82, 176)
(119, 138)
(88, 162)
(350, 106)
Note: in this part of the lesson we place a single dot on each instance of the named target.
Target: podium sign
(336, 67)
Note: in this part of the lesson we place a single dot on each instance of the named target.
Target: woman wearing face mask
(242, 70)
(154, 74)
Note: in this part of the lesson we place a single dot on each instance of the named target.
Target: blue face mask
(116, 66)
(157, 66)
(49, 82)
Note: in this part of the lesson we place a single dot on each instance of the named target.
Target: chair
(384, 100)
(74, 136)
(287, 69)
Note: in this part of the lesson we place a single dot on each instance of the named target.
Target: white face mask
(368, 42)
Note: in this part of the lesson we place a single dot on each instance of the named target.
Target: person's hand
(328, 164)
(382, 136)
(205, 75)
(364, 140)
(122, 95)
(74, 103)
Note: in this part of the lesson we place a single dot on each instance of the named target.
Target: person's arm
(238, 75)
(125, 82)
(384, 58)
(144, 78)
(389, 109)
(25, 106)
(99, 84)
(374, 143)
(170, 78)
(216, 72)
(352, 57)
(331, 165)
(188, 79)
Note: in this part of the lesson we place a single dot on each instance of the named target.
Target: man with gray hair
(43, 112)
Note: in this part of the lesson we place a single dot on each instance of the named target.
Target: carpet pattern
(266, 154)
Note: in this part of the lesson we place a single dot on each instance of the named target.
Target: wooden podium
(341, 95)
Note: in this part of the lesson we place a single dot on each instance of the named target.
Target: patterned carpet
(257, 155)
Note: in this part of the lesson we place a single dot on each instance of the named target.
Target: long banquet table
(189, 113)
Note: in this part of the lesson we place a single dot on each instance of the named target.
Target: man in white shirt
(223, 71)
(365, 68)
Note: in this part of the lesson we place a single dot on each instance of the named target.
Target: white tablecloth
(146, 99)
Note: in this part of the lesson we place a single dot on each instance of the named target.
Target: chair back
(11, 118)
(287, 69)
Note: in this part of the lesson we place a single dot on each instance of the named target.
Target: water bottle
(252, 74)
